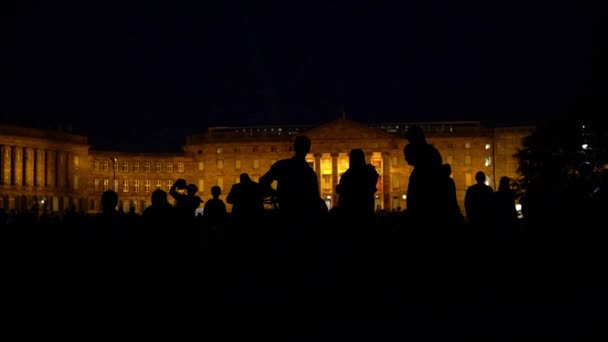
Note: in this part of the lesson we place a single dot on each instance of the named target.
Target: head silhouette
(109, 200)
(356, 158)
(192, 189)
(301, 145)
(447, 169)
(244, 178)
(159, 197)
(216, 191)
(504, 183)
(480, 177)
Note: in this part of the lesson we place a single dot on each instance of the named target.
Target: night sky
(142, 75)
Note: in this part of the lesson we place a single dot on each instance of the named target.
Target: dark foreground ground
(377, 284)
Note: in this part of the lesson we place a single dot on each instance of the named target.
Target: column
(6, 165)
(318, 168)
(334, 176)
(61, 169)
(18, 165)
(386, 179)
(51, 160)
(29, 166)
(40, 169)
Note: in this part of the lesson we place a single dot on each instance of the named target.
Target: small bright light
(328, 197)
(42, 201)
(404, 196)
(487, 146)
(467, 145)
(518, 207)
(585, 146)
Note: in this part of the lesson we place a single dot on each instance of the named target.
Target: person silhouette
(478, 203)
(185, 203)
(356, 190)
(297, 190)
(425, 179)
(247, 199)
(214, 211)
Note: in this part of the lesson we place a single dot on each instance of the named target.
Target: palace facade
(59, 170)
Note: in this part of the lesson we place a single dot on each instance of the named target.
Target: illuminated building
(64, 170)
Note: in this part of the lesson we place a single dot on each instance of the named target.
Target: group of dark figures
(305, 260)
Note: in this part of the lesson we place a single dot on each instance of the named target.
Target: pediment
(344, 129)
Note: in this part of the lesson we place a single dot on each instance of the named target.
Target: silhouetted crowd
(309, 270)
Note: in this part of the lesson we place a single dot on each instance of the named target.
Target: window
(76, 161)
(147, 185)
(125, 185)
(159, 184)
(449, 159)
(201, 165)
(136, 185)
(237, 164)
(125, 166)
(96, 165)
(106, 185)
(201, 185)
(395, 161)
(468, 179)
(467, 160)
(158, 166)
(146, 166)
(115, 166)
(220, 164)
(169, 184)
(256, 163)
(488, 161)
(180, 167)
(135, 166)
(76, 182)
(220, 182)
(105, 165)
(169, 167)
(96, 182)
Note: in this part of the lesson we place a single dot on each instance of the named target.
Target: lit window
(96, 165)
(105, 165)
(158, 167)
(201, 166)
(136, 185)
(256, 163)
(237, 164)
(159, 184)
(169, 167)
(125, 185)
(125, 166)
(147, 185)
(136, 167)
(488, 161)
(146, 166)
(180, 167)
(106, 185)
(220, 164)
(96, 182)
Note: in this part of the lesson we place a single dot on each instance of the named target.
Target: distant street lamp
(114, 161)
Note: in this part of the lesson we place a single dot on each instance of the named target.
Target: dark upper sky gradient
(136, 72)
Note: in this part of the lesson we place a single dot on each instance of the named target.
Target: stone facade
(63, 170)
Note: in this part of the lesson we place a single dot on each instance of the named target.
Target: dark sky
(145, 74)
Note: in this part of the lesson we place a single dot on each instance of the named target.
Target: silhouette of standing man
(425, 178)
(298, 196)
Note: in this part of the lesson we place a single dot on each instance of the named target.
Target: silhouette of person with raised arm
(356, 190)
(478, 203)
(185, 203)
(297, 191)
(425, 178)
(247, 199)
